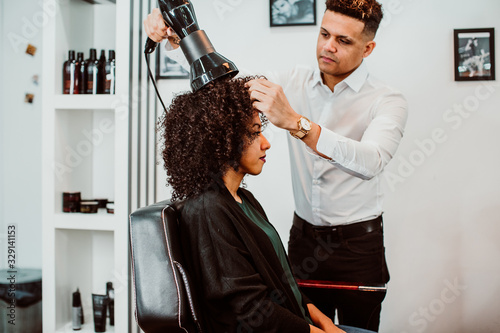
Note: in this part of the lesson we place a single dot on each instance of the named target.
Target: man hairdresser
(345, 126)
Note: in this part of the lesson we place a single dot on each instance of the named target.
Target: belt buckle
(321, 231)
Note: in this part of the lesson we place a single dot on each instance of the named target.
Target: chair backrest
(163, 299)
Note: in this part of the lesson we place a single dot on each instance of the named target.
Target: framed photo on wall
(474, 54)
(292, 12)
(166, 67)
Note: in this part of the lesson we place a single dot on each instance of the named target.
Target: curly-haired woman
(211, 139)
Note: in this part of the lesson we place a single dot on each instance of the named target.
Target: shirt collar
(355, 81)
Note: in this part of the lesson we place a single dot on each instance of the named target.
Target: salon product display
(73, 203)
(77, 311)
(89, 76)
(110, 207)
(99, 304)
(89, 207)
(110, 292)
(110, 73)
(71, 81)
(103, 307)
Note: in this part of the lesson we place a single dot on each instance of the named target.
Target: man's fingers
(258, 96)
(258, 86)
(155, 26)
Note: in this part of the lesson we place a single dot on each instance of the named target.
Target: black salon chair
(162, 294)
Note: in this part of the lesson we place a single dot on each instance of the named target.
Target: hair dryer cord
(146, 54)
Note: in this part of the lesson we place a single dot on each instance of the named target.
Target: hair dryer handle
(150, 46)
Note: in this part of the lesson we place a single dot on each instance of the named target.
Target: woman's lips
(263, 158)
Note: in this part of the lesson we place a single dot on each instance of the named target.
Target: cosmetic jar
(102, 202)
(110, 207)
(71, 202)
(89, 207)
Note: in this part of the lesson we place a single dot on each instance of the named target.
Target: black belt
(341, 231)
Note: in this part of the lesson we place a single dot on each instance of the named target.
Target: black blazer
(237, 273)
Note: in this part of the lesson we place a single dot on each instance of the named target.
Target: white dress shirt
(362, 122)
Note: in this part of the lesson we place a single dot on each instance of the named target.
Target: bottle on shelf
(101, 72)
(70, 74)
(82, 78)
(109, 82)
(110, 292)
(92, 73)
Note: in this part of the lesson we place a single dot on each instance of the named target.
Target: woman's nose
(264, 144)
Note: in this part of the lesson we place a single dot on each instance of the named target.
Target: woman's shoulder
(208, 200)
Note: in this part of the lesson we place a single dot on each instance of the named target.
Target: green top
(275, 239)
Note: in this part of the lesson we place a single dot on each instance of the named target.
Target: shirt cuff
(326, 144)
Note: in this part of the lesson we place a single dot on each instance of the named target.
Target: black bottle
(101, 72)
(110, 69)
(92, 73)
(70, 75)
(80, 74)
(110, 292)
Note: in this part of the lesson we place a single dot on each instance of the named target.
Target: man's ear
(369, 48)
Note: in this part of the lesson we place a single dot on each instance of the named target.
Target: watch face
(306, 124)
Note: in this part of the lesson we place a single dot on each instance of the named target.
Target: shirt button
(315, 182)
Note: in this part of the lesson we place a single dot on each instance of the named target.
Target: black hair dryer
(206, 64)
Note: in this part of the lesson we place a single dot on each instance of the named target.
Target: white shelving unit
(85, 145)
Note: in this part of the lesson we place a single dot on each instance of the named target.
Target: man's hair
(367, 11)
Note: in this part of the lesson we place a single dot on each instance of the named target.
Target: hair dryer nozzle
(206, 64)
(210, 67)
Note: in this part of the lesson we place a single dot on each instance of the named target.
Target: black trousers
(347, 254)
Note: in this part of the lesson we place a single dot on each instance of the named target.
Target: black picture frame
(166, 67)
(284, 13)
(474, 54)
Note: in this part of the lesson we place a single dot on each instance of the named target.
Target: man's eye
(344, 41)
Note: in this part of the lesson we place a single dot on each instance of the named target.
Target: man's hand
(270, 99)
(158, 30)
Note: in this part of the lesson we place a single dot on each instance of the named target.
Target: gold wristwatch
(304, 125)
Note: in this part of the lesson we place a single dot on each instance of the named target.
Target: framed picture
(292, 12)
(474, 54)
(166, 67)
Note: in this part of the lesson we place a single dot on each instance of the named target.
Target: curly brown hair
(204, 133)
(367, 11)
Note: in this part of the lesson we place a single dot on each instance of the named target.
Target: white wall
(20, 131)
(442, 200)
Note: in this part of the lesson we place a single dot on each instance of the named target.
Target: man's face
(341, 45)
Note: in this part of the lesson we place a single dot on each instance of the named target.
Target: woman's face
(254, 154)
